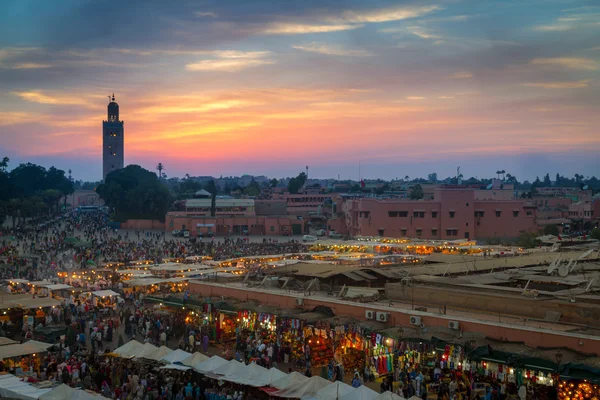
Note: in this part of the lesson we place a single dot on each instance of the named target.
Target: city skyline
(265, 88)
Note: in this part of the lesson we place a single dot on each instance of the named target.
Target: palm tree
(160, 167)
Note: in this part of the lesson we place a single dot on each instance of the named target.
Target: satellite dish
(563, 270)
(489, 186)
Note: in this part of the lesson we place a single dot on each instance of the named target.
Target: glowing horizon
(266, 88)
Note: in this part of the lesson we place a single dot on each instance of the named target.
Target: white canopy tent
(105, 293)
(129, 349)
(210, 365)
(274, 375)
(390, 396)
(302, 390)
(288, 380)
(161, 353)
(58, 286)
(148, 351)
(177, 356)
(176, 367)
(23, 349)
(66, 392)
(195, 360)
(232, 371)
(333, 392)
(13, 388)
(255, 375)
(360, 393)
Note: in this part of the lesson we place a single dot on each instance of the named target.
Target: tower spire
(113, 97)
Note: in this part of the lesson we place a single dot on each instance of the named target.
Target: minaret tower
(113, 140)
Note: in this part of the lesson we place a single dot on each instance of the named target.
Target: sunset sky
(230, 87)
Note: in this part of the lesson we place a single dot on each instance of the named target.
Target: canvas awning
(176, 356)
(58, 286)
(194, 360)
(333, 391)
(105, 293)
(305, 389)
(66, 392)
(129, 349)
(23, 349)
(360, 393)
(210, 365)
(13, 388)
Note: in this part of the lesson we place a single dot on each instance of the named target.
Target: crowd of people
(73, 241)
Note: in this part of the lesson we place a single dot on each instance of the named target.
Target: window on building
(403, 232)
(434, 232)
(381, 232)
(419, 232)
(418, 214)
(479, 214)
(498, 213)
(451, 214)
(392, 214)
(434, 214)
(403, 214)
(451, 232)
(364, 214)
(529, 213)
(515, 214)
(272, 228)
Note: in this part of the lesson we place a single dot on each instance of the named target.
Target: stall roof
(15, 388)
(23, 349)
(26, 302)
(105, 293)
(5, 341)
(58, 286)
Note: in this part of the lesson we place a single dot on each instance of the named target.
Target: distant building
(113, 140)
(235, 216)
(451, 214)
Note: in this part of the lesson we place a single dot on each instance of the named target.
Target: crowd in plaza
(95, 326)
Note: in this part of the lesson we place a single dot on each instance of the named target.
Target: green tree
(273, 183)
(52, 198)
(433, 177)
(551, 230)
(296, 183)
(134, 192)
(528, 240)
(253, 189)
(211, 187)
(416, 193)
(547, 181)
(595, 234)
(4, 164)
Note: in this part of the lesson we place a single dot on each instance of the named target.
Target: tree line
(30, 191)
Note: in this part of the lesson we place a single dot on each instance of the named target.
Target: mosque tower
(113, 140)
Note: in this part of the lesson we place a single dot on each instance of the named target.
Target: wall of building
(302, 204)
(503, 331)
(84, 198)
(496, 304)
(508, 224)
(258, 225)
(450, 215)
(270, 207)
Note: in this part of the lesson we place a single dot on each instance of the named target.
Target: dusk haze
(266, 87)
